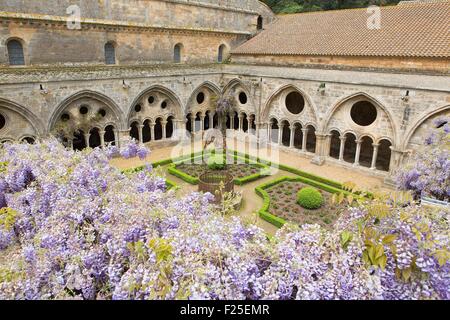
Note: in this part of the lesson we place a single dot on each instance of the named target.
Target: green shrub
(216, 162)
(310, 198)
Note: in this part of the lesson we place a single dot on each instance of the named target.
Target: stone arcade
(147, 68)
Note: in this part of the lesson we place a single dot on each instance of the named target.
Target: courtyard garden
(74, 227)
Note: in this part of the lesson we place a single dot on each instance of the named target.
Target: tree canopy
(294, 6)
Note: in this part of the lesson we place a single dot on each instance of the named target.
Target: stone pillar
(193, 125)
(152, 130)
(291, 142)
(164, 132)
(342, 148)
(102, 138)
(251, 122)
(358, 152)
(141, 133)
(86, 139)
(374, 156)
(70, 143)
(232, 122)
(305, 138)
(241, 123)
(116, 138)
(211, 120)
(280, 134)
(269, 132)
(321, 149)
(202, 123)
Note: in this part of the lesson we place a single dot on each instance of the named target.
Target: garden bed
(243, 170)
(280, 203)
(283, 204)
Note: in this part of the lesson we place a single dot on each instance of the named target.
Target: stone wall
(214, 14)
(47, 45)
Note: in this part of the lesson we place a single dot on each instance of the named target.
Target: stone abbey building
(326, 85)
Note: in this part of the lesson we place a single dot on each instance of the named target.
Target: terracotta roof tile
(415, 29)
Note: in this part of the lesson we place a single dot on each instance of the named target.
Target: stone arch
(343, 121)
(309, 112)
(154, 109)
(16, 51)
(335, 143)
(422, 119)
(223, 52)
(366, 152)
(350, 147)
(235, 87)
(101, 100)
(19, 121)
(209, 90)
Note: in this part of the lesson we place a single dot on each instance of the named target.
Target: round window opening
(200, 98)
(151, 99)
(164, 105)
(102, 113)
(295, 103)
(364, 113)
(2, 121)
(137, 108)
(243, 98)
(84, 110)
(65, 117)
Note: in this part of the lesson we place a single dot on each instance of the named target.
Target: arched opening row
(153, 131)
(360, 152)
(293, 135)
(240, 122)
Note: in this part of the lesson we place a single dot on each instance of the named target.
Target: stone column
(269, 132)
(202, 123)
(164, 132)
(342, 148)
(86, 139)
(193, 125)
(321, 149)
(70, 143)
(251, 121)
(241, 123)
(152, 130)
(211, 120)
(116, 138)
(291, 142)
(374, 156)
(305, 138)
(141, 133)
(280, 134)
(232, 122)
(358, 152)
(102, 138)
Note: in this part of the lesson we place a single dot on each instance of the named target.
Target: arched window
(110, 53)
(15, 53)
(221, 53)
(260, 23)
(177, 51)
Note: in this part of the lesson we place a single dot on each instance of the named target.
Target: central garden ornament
(217, 179)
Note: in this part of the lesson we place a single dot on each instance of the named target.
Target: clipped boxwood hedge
(310, 198)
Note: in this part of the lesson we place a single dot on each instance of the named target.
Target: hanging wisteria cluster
(73, 227)
(428, 173)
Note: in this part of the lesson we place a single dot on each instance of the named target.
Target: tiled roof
(410, 29)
